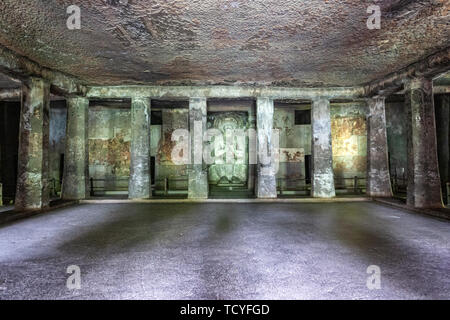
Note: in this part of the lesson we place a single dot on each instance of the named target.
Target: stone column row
(33, 163)
(423, 185)
(424, 189)
(323, 177)
(76, 176)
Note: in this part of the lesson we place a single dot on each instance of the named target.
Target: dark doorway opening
(152, 169)
(308, 169)
(9, 146)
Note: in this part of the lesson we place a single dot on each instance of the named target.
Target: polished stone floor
(226, 251)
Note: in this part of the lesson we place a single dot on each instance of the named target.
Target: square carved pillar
(76, 159)
(140, 180)
(322, 156)
(33, 168)
(266, 186)
(424, 185)
(198, 187)
(378, 177)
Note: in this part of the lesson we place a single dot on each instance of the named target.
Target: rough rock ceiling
(280, 42)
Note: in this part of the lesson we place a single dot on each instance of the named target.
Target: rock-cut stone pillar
(424, 185)
(442, 110)
(266, 186)
(76, 158)
(322, 185)
(139, 186)
(378, 177)
(197, 172)
(32, 191)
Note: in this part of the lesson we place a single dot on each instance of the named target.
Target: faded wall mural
(172, 119)
(349, 142)
(109, 145)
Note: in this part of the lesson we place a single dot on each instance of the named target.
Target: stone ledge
(12, 215)
(174, 201)
(443, 213)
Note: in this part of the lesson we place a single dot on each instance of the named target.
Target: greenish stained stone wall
(396, 135)
(291, 175)
(172, 119)
(349, 143)
(155, 138)
(58, 120)
(109, 146)
(442, 113)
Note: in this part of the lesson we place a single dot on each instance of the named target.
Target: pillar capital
(376, 106)
(320, 98)
(33, 79)
(78, 99)
(142, 98)
(412, 83)
(378, 97)
(197, 103)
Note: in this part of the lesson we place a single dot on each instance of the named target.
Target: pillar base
(323, 186)
(198, 185)
(266, 187)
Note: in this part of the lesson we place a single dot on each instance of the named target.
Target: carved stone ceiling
(279, 42)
